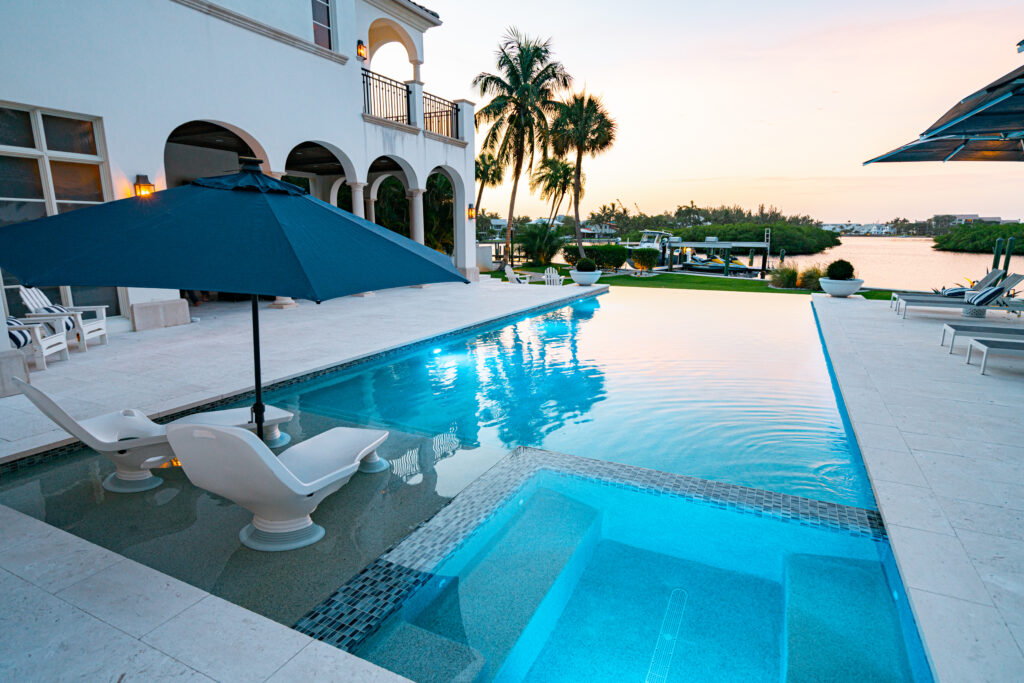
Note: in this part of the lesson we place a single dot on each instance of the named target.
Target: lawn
(687, 281)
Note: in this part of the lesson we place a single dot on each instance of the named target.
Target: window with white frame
(322, 23)
(49, 163)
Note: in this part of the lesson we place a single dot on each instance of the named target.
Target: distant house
(969, 218)
(599, 230)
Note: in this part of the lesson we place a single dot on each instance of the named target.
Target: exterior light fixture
(362, 51)
(471, 212)
(143, 188)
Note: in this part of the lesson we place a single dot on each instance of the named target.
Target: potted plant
(585, 273)
(839, 281)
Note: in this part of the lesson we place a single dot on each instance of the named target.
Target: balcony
(394, 102)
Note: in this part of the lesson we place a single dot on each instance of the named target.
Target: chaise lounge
(281, 491)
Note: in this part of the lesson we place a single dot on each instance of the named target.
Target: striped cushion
(985, 296)
(20, 338)
(69, 322)
(954, 291)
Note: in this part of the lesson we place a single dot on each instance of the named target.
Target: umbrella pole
(257, 409)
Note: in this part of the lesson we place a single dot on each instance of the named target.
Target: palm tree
(581, 125)
(523, 95)
(553, 178)
(489, 173)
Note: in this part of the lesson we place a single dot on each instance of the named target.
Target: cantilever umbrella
(247, 233)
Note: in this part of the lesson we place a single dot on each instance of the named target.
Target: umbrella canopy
(996, 108)
(958, 148)
(246, 233)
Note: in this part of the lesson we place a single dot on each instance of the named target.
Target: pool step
(490, 605)
(426, 657)
(840, 622)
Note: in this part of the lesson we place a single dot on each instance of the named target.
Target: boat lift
(668, 244)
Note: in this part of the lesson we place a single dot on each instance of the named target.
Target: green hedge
(606, 256)
(646, 259)
(795, 239)
(980, 239)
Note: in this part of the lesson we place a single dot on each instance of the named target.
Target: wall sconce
(362, 51)
(143, 188)
(471, 212)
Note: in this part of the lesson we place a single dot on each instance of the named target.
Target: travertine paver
(160, 371)
(943, 448)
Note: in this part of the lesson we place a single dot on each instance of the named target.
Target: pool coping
(38, 454)
(355, 611)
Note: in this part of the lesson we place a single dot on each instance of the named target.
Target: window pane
(96, 296)
(69, 135)
(321, 13)
(67, 207)
(322, 36)
(16, 128)
(20, 178)
(76, 181)
(16, 212)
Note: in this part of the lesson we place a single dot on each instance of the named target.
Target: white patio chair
(552, 278)
(513, 277)
(85, 329)
(133, 442)
(37, 341)
(281, 491)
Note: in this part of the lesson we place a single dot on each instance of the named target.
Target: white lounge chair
(513, 277)
(37, 340)
(552, 278)
(281, 491)
(133, 442)
(85, 329)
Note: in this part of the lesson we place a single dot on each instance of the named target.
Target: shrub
(538, 243)
(839, 270)
(645, 259)
(981, 238)
(571, 254)
(608, 256)
(585, 265)
(784, 277)
(809, 278)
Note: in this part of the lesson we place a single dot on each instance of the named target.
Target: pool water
(575, 579)
(724, 386)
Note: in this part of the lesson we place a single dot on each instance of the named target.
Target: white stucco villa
(97, 96)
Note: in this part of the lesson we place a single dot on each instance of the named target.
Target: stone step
(425, 657)
(840, 622)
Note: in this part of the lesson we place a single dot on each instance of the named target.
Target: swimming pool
(721, 386)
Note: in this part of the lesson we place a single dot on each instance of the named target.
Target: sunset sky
(741, 101)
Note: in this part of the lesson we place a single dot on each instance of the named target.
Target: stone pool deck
(943, 448)
(163, 371)
(72, 610)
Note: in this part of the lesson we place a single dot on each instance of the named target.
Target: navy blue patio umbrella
(246, 233)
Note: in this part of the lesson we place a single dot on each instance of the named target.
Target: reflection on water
(903, 262)
(731, 387)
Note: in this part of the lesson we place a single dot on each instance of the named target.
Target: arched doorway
(388, 40)
(206, 148)
(394, 196)
(326, 172)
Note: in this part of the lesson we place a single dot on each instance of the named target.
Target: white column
(415, 103)
(371, 212)
(416, 229)
(358, 203)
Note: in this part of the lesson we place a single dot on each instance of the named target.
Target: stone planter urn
(840, 288)
(584, 279)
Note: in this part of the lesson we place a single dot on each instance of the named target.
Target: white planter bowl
(584, 279)
(840, 288)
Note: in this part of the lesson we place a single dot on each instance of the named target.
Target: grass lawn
(687, 281)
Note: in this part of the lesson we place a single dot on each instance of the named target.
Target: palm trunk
(479, 196)
(561, 198)
(551, 215)
(517, 169)
(577, 186)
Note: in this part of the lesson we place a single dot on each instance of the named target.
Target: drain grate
(665, 647)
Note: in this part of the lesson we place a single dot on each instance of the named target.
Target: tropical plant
(489, 173)
(439, 214)
(522, 97)
(645, 259)
(538, 243)
(553, 178)
(809, 278)
(981, 238)
(581, 126)
(839, 269)
(784, 277)
(585, 265)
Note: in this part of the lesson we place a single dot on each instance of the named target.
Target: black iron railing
(440, 116)
(385, 98)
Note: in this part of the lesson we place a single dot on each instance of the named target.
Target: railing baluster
(385, 98)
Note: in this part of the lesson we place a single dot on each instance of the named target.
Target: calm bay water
(904, 262)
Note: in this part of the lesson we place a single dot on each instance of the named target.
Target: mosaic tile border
(357, 609)
(58, 451)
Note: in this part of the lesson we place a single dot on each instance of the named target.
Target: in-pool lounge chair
(37, 340)
(280, 491)
(980, 331)
(955, 293)
(974, 305)
(84, 329)
(133, 442)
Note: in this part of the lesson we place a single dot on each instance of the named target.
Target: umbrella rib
(971, 113)
(955, 152)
